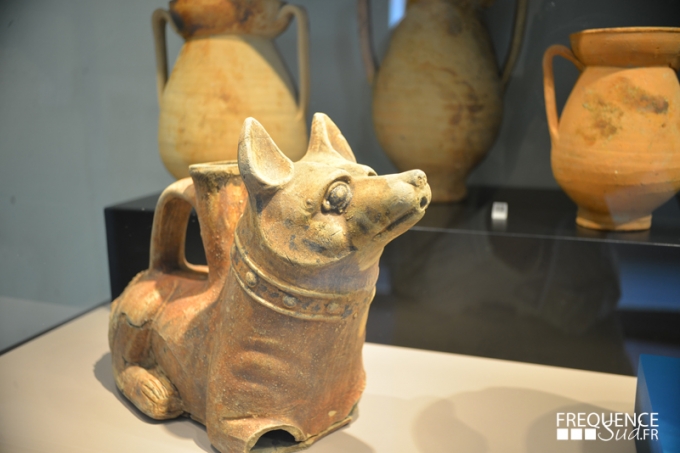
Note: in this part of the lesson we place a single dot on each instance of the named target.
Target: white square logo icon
(576, 434)
(562, 434)
(591, 434)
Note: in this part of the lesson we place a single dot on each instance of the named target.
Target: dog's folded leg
(151, 392)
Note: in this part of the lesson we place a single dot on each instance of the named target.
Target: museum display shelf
(57, 394)
(531, 287)
(542, 213)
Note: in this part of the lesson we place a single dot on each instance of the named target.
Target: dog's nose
(416, 178)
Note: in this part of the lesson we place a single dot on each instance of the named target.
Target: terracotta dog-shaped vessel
(263, 345)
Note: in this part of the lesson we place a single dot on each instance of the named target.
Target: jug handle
(303, 54)
(366, 40)
(549, 85)
(516, 42)
(168, 233)
(158, 20)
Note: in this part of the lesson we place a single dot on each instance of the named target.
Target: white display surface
(57, 394)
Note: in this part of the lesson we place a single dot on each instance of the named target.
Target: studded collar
(288, 300)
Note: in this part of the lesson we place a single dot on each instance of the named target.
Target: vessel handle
(159, 18)
(516, 42)
(303, 54)
(366, 40)
(549, 85)
(168, 233)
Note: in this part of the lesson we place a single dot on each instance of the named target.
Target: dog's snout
(416, 178)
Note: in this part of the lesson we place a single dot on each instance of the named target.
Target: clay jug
(437, 98)
(616, 148)
(227, 70)
(263, 345)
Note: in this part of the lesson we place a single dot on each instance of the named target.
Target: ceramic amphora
(437, 97)
(616, 147)
(228, 69)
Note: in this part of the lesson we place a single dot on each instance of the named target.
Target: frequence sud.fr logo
(607, 427)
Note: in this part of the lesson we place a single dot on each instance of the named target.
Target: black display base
(534, 287)
(128, 239)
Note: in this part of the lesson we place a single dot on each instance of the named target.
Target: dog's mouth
(400, 221)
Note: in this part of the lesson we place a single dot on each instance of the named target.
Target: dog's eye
(337, 197)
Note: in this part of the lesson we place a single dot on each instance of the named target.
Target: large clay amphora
(616, 148)
(437, 98)
(227, 70)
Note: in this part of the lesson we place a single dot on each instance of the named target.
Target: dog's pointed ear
(263, 167)
(326, 139)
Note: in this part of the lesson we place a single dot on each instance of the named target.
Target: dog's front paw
(152, 393)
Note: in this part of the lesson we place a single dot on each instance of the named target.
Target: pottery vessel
(616, 147)
(437, 97)
(227, 70)
(263, 345)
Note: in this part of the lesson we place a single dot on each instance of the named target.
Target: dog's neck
(291, 300)
(345, 276)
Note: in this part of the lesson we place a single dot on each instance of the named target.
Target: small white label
(499, 211)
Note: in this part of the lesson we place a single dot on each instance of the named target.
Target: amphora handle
(516, 42)
(549, 85)
(303, 54)
(371, 62)
(366, 40)
(159, 18)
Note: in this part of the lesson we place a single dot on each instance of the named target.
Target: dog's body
(271, 339)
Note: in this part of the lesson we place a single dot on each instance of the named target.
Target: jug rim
(625, 30)
(215, 163)
(628, 47)
(224, 166)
